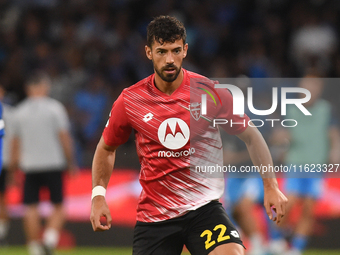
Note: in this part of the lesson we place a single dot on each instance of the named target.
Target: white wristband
(98, 191)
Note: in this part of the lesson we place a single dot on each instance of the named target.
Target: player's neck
(168, 87)
(311, 103)
(37, 95)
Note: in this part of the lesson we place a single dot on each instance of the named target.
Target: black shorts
(201, 231)
(3, 180)
(50, 179)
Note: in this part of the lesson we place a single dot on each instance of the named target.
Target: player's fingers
(268, 210)
(281, 209)
(101, 228)
(108, 219)
(284, 206)
(97, 226)
(279, 214)
(93, 222)
(275, 219)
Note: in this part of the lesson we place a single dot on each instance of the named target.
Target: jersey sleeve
(118, 128)
(236, 123)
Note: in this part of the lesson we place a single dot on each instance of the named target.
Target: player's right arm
(102, 167)
(116, 132)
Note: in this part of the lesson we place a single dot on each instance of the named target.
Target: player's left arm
(102, 167)
(260, 155)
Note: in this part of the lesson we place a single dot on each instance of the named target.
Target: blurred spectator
(42, 147)
(315, 140)
(91, 105)
(4, 120)
(72, 39)
(314, 42)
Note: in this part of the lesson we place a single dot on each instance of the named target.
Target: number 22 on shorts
(221, 237)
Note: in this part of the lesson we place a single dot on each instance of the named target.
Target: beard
(166, 76)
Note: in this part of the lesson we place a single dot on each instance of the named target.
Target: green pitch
(21, 250)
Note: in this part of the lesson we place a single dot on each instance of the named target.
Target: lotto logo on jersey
(173, 133)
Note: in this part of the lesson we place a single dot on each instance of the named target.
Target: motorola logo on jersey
(173, 133)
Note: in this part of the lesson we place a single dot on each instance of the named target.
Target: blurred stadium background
(94, 49)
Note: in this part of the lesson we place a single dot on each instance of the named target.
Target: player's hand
(274, 198)
(100, 209)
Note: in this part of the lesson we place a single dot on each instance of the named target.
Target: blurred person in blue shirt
(90, 105)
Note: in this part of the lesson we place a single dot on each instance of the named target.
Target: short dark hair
(165, 29)
(36, 77)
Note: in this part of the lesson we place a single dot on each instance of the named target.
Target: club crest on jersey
(173, 133)
(195, 110)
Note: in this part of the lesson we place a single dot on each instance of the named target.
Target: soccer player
(178, 205)
(42, 147)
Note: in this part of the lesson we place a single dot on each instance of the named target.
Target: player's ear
(148, 52)
(185, 50)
